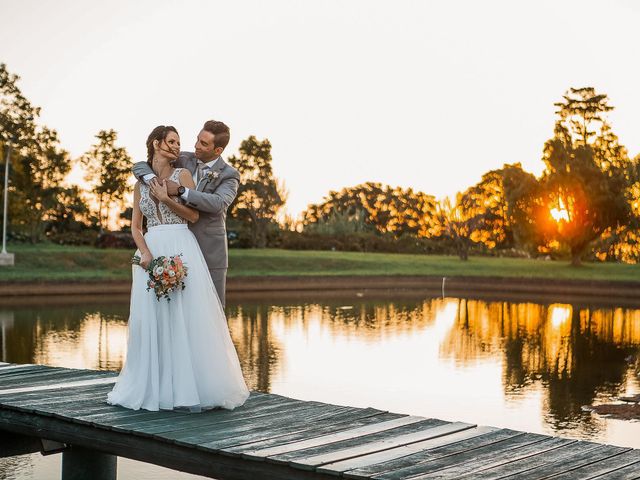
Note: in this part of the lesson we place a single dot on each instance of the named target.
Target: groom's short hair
(220, 131)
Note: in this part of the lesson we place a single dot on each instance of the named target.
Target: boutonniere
(212, 175)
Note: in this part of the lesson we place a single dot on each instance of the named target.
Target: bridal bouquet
(166, 274)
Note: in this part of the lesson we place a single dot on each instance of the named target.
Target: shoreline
(498, 288)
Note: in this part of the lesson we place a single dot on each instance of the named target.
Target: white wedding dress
(179, 353)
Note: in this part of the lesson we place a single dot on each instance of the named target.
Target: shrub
(115, 240)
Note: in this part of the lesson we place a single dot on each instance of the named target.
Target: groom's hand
(172, 188)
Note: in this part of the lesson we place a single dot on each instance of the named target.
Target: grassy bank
(59, 263)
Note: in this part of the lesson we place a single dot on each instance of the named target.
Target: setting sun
(560, 213)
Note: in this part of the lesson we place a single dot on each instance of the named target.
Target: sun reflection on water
(559, 314)
(527, 366)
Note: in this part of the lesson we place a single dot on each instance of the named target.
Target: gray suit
(212, 196)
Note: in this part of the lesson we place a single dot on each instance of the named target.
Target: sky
(422, 94)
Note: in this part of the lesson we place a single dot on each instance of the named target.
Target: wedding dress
(179, 353)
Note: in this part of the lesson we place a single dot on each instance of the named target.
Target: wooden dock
(274, 438)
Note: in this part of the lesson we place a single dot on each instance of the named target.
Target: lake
(526, 365)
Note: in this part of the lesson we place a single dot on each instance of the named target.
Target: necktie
(202, 168)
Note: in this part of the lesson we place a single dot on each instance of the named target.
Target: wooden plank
(95, 397)
(125, 419)
(81, 408)
(631, 472)
(327, 414)
(253, 404)
(603, 467)
(523, 466)
(37, 399)
(564, 465)
(59, 386)
(43, 395)
(405, 450)
(55, 399)
(93, 405)
(471, 468)
(10, 370)
(10, 396)
(213, 432)
(32, 375)
(573, 462)
(350, 418)
(110, 419)
(75, 410)
(335, 437)
(90, 393)
(389, 442)
(215, 417)
(415, 428)
(322, 417)
(48, 378)
(466, 445)
(119, 418)
(179, 427)
(25, 367)
(255, 400)
(468, 457)
(177, 457)
(174, 427)
(262, 428)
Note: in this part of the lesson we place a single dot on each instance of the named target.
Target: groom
(216, 187)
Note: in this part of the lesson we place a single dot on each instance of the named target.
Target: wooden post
(81, 463)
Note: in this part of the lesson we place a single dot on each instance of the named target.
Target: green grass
(52, 262)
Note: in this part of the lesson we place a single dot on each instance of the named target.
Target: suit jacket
(211, 197)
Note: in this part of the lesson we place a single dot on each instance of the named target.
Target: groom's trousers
(219, 277)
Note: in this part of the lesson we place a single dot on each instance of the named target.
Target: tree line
(584, 206)
(586, 203)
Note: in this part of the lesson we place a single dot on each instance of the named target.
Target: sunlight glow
(559, 314)
(560, 213)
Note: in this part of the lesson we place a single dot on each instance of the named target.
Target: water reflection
(577, 354)
(530, 366)
(80, 336)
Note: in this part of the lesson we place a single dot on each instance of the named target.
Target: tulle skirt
(179, 353)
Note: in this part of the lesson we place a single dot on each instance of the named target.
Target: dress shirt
(207, 166)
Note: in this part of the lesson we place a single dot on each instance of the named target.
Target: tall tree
(492, 202)
(623, 242)
(17, 115)
(260, 196)
(36, 186)
(526, 207)
(108, 168)
(39, 165)
(456, 224)
(587, 173)
(581, 115)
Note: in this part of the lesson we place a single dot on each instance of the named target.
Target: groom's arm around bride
(216, 187)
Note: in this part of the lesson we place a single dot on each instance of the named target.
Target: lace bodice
(158, 213)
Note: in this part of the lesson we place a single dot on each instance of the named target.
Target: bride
(179, 353)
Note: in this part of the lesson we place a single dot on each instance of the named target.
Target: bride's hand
(145, 260)
(159, 190)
